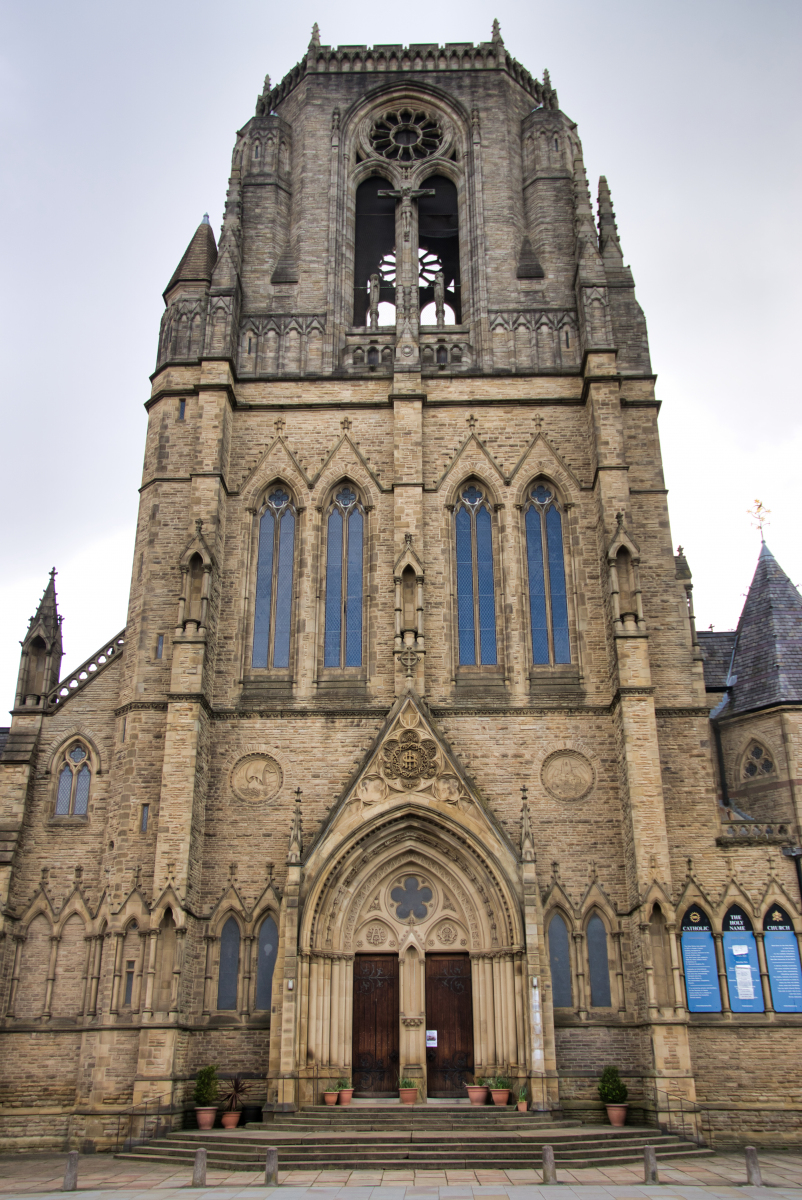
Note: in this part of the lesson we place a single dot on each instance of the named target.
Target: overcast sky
(117, 124)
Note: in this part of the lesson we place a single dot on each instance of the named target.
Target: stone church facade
(409, 731)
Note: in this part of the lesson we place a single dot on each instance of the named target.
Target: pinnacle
(609, 244)
(199, 258)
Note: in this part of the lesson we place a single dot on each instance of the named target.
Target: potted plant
(613, 1093)
(205, 1095)
(500, 1090)
(407, 1091)
(345, 1090)
(330, 1095)
(523, 1102)
(235, 1093)
(478, 1091)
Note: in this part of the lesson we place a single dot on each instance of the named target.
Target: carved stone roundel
(567, 775)
(410, 759)
(256, 777)
(447, 934)
(376, 935)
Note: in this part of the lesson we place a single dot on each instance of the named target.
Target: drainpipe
(795, 852)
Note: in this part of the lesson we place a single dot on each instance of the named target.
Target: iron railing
(151, 1118)
(684, 1118)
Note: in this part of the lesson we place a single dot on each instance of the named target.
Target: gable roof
(199, 258)
(766, 664)
(717, 650)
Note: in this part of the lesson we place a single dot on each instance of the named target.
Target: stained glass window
(598, 963)
(758, 762)
(476, 593)
(74, 780)
(344, 581)
(272, 624)
(268, 947)
(548, 600)
(229, 965)
(560, 962)
(412, 899)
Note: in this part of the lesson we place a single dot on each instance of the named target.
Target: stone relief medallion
(372, 789)
(448, 789)
(375, 935)
(447, 934)
(409, 759)
(567, 775)
(256, 777)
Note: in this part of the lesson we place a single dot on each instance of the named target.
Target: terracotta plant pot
(230, 1120)
(617, 1113)
(500, 1095)
(330, 1097)
(205, 1117)
(477, 1093)
(345, 1095)
(523, 1105)
(408, 1095)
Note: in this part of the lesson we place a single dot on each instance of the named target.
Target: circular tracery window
(406, 135)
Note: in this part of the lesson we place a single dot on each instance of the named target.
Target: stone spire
(766, 666)
(496, 34)
(609, 245)
(199, 258)
(587, 248)
(315, 38)
(296, 835)
(42, 650)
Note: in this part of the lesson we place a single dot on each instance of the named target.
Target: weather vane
(760, 516)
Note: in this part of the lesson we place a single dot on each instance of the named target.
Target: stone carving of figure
(375, 288)
(440, 299)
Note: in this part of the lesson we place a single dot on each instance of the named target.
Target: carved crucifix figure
(407, 280)
(406, 195)
(375, 288)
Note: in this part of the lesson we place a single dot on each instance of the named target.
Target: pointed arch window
(560, 962)
(548, 600)
(268, 948)
(74, 780)
(344, 575)
(476, 596)
(228, 973)
(598, 963)
(274, 580)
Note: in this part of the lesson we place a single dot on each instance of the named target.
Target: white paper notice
(743, 981)
(740, 949)
(431, 1037)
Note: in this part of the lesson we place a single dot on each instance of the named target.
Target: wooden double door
(449, 1015)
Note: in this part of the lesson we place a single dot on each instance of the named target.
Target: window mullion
(544, 546)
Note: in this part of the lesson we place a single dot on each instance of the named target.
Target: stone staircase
(423, 1137)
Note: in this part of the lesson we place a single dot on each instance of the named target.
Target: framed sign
(431, 1037)
(699, 962)
(740, 959)
(782, 960)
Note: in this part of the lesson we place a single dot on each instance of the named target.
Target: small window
(125, 724)
(160, 645)
(548, 601)
(598, 963)
(74, 778)
(373, 356)
(476, 598)
(130, 968)
(344, 569)
(560, 963)
(250, 345)
(268, 947)
(143, 822)
(182, 408)
(567, 338)
(256, 151)
(273, 609)
(758, 763)
(229, 965)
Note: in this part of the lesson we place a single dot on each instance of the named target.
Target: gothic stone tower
(408, 727)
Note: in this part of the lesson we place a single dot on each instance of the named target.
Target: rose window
(412, 900)
(406, 135)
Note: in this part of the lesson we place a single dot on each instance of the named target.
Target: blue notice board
(782, 959)
(740, 959)
(699, 962)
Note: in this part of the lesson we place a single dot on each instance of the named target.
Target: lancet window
(228, 973)
(548, 601)
(274, 582)
(268, 948)
(345, 529)
(598, 963)
(476, 598)
(560, 962)
(74, 779)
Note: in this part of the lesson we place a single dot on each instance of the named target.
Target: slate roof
(767, 660)
(717, 651)
(199, 258)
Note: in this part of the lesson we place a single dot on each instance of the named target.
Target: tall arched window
(194, 609)
(476, 598)
(661, 958)
(74, 777)
(268, 948)
(273, 609)
(344, 570)
(438, 239)
(548, 601)
(560, 962)
(228, 974)
(598, 963)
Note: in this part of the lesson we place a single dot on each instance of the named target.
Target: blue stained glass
(559, 602)
(346, 497)
(487, 595)
(472, 495)
(278, 499)
(286, 544)
(82, 793)
(229, 965)
(537, 587)
(334, 598)
(77, 754)
(268, 947)
(560, 963)
(598, 962)
(467, 639)
(411, 899)
(541, 494)
(353, 597)
(264, 585)
(64, 789)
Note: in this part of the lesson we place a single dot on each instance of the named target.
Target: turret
(40, 661)
(186, 298)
